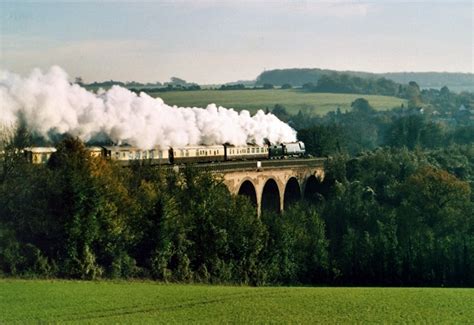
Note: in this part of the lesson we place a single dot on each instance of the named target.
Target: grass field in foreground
(106, 302)
(294, 100)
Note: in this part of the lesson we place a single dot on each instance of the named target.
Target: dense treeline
(398, 195)
(355, 131)
(345, 83)
(386, 217)
(455, 80)
(394, 217)
(175, 84)
(82, 217)
(431, 119)
(299, 77)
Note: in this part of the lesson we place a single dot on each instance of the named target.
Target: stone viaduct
(274, 185)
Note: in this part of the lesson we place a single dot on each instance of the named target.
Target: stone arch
(271, 196)
(248, 189)
(292, 192)
(312, 189)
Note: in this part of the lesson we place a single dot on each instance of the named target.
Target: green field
(111, 302)
(294, 100)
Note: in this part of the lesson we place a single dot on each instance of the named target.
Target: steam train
(181, 155)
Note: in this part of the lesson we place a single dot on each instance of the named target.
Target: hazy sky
(220, 41)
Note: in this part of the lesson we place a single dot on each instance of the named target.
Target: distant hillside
(299, 77)
(454, 81)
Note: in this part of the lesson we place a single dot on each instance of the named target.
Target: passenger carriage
(247, 152)
(127, 154)
(194, 154)
(38, 155)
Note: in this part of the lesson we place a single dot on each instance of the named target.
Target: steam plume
(49, 104)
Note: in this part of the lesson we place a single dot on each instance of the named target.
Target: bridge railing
(223, 167)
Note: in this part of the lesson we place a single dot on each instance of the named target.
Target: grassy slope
(293, 100)
(106, 302)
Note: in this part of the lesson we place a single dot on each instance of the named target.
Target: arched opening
(312, 190)
(292, 192)
(271, 197)
(247, 189)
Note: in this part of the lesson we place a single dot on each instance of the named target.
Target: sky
(211, 42)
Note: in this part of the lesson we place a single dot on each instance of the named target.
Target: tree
(405, 131)
(362, 106)
(439, 199)
(436, 227)
(280, 112)
(323, 140)
(296, 251)
(309, 86)
(413, 95)
(76, 204)
(178, 81)
(12, 142)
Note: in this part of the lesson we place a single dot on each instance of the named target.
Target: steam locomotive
(181, 155)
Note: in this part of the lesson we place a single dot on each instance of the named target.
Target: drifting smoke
(49, 104)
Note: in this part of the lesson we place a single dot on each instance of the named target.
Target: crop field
(111, 302)
(293, 100)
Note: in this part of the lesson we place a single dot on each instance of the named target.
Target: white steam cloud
(49, 104)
